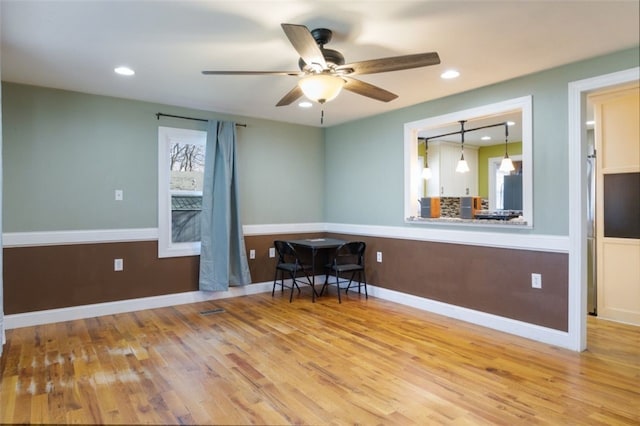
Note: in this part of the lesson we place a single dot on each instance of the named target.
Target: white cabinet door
(445, 181)
(450, 180)
(470, 187)
(433, 158)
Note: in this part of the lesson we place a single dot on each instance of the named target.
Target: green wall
(492, 151)
(365, 163)
(65, 153)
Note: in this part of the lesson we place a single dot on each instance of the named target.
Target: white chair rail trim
(516, 241)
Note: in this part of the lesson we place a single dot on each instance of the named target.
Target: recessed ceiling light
(590, 122)
(486, 138)
(511, 123)
(305, 104)
(124, 71)
(449, 74)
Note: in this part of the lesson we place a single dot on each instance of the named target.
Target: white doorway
(578, 91)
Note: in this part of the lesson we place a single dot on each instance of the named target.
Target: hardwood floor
(266, 361)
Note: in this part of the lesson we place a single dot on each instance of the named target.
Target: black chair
(290, 263)
(348, 258)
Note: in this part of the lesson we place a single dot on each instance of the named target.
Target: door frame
(578, 91)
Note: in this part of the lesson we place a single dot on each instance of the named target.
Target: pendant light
(426, 171)
(462, 166)
(506, 166)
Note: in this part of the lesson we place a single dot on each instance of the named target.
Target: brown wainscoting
(486, 279)
(61, 276)
(48, 277)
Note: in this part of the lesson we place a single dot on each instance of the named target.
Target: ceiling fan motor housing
(322, 36)
(332, 57)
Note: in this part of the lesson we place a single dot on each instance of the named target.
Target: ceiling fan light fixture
(322, 87)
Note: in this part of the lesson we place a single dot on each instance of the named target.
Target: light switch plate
(119, 194)
(252, 254)
(118, 264)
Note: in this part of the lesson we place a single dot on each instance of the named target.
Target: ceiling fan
(324, 72)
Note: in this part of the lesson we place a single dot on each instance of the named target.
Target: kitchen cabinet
(445, 181)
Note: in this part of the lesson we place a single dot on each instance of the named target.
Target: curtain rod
(160, 114)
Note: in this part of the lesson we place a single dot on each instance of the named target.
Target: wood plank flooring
(266, 361)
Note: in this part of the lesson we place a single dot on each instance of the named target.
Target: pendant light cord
(506, 138)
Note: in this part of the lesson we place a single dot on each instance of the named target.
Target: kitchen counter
(519, 221)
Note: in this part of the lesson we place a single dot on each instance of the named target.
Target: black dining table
(315, 245)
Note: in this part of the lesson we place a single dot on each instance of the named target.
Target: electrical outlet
(119, 195)
(536, 281)
(118, 265)
(252, 254)
(379, 257)
(272, 252)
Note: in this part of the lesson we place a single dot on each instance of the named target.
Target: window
(181, 156)
(508, 192)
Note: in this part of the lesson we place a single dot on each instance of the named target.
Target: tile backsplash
(450, 206)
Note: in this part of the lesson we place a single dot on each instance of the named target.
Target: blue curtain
(223, 258)
(2, 336)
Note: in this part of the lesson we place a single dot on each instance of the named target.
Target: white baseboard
(28, 319)
(507, 325)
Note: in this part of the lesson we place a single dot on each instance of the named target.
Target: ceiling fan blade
(304, 43)
(368, 90)
(292, 96)
(394, 63)
(293, 73)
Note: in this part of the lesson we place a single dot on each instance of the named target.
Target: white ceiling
(75, 45)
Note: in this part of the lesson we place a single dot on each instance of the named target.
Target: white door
(617, 133)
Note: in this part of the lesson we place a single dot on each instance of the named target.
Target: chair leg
(326, 283)
(275, 279)
(293, 284)
(338, 286)
(362, 279)
(364, 276)
(353, 275)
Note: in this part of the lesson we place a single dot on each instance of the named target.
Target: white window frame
(411, 153)
(166, 137)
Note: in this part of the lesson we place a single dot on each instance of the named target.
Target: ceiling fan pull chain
(322, 117)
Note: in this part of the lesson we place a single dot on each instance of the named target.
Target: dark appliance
(469, 206)
(512, 192)
(429, 207)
